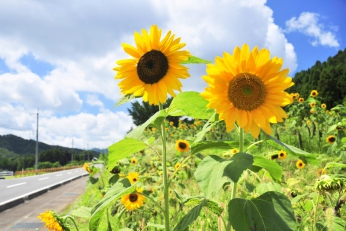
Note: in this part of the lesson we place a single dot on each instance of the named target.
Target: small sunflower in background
(323, 106)
(176, 166)
(154, 69)
(282, 155)
(234, 151)
(321, 171)
(314, 93)
(312, 111)
(301, 100)
(331, 139)
(134, 161)
(313, 104)
(182, 146)
(134, 200)
(248, 87)
(300, 164)
(133, 177)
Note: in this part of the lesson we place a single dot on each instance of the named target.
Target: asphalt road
(15, 191)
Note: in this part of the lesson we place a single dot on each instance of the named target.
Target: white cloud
(308, 24)
(83, 41)
(93, 100)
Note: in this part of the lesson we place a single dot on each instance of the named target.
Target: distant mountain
(105, 150)
(22, 146)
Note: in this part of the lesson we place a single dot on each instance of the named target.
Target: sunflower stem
(73, 221)
(165, 177)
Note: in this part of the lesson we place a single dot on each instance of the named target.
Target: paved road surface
(23, 217)
(26, 187)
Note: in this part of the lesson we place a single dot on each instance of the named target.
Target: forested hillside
(328, 78)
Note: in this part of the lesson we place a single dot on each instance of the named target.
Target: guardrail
(6, 173)
(43, 170)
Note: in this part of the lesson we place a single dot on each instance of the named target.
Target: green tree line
(328, 78)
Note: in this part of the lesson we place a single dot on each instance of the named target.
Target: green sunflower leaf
(311, 158)
(82, 211)
(211, 205)
(190, 104)
(210, 175)
(195, 60)
(270, 211)
(272, 167)
(239, 163)
(125, 99)
(191, 216)
(122, 149)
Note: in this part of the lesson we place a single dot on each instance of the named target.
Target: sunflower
(312, 111)
(321, 171)
(248, 88)
(133, 177)
(323, 105)
(234, 151)
(312, 104)
(134, 161)
(52, 221)
(182, 145)
(314, 93)
(308, 122)
(282, 155)
(330, 139)
(301, 100)
(300, 164)
(133, 201)
(176, 166)
(154, 69)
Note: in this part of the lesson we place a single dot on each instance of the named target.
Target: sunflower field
(254, 157)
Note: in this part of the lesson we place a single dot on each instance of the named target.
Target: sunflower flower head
(301, 100)
(314, 93)
(154, 69)
(282, 155)
(134, 161)
(247, 87)
(177, 165)
(321, 171)
(331, 139)
(323, 106)
(182, 146)
(53, 221)
(133, 177)
(300, 164)
(134, 200)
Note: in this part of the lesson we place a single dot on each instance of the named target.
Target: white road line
(14, 185)
(44, 178)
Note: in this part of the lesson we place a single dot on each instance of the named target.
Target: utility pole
(36, 155)
(72, 154)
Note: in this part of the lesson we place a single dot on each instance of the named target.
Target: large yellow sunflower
(51, 220)
(154, 69)
(248, 88)
(133, 201)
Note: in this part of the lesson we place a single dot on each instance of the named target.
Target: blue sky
(57, 56)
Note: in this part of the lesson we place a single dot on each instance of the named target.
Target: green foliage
(270, 211)
(213, 172)
(328, 78)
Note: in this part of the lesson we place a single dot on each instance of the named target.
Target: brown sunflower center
(182, 145)
(246, 91)
(133, 197)
(152, 67)
(332, 139)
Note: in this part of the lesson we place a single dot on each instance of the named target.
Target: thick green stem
(165, 177)
(315, 211)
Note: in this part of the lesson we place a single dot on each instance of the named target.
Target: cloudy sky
(56, 56)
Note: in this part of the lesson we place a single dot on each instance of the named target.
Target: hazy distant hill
(22, 146)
